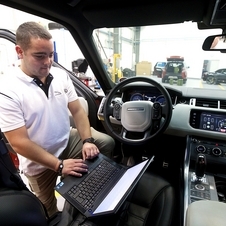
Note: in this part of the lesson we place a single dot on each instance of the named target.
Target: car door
(221, 75)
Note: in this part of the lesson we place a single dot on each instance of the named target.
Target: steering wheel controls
(117, 110)
(156, 110)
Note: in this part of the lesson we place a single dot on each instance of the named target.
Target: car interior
(183, 125)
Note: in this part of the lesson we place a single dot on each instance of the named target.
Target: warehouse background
(163, 41)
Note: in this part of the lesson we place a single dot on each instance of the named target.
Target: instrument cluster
(152, 95)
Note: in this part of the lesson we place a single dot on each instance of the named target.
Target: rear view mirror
(215, 43)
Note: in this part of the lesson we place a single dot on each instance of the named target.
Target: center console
(205, 163)
(201, 188)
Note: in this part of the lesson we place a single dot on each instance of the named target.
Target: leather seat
(151, 203)
(21, 208)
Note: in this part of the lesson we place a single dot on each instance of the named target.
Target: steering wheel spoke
(130, 136)
(108, 109)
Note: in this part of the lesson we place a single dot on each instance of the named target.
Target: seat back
(18, 206)
(151, 203)
(21, 208)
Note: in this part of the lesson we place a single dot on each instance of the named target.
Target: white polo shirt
(24, 103)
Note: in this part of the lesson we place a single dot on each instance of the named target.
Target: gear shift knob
(200, 165)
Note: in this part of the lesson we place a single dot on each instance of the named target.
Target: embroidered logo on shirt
(57, 93)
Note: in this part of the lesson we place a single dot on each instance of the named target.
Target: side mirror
(215, 43)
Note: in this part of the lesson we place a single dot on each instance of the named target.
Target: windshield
(137, 51)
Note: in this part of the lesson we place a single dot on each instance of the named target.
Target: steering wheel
(141, 120)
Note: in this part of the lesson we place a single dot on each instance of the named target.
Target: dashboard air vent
(206, 103)
(222, 104)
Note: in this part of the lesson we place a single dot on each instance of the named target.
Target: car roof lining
(119, 13)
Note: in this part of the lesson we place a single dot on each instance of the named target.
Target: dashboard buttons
(117, 111)
(200, 187)
(156, 110)
(156, 106)
(201, 149)
(217, 151)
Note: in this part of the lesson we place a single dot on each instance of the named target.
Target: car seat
(151, 203)
(21, 208)
(79, 66)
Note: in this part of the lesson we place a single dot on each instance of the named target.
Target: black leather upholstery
(152, 203)
(21, 208)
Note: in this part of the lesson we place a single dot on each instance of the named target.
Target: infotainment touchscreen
(213, 122)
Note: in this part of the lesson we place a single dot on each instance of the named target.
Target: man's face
(37, 60)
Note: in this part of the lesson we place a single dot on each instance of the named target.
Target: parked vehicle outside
(174, 69)
(159, 66)
(219, 76)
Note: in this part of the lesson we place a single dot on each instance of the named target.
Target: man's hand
(74, 167)
(89, 151)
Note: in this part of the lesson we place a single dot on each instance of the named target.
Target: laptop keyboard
(87, 191)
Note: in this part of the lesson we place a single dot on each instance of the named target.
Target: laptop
(101, 196)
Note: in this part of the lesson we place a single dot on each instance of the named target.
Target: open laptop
(113, 191)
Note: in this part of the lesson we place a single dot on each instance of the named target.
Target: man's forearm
(34, 152)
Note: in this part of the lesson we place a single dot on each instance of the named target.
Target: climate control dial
(217, 151)
(201, 149)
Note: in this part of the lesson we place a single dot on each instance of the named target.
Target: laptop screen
(116, 194)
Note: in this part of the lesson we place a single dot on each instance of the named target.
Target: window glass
(138, 49)
(8, 57)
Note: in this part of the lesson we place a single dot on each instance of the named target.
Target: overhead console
(207, 120)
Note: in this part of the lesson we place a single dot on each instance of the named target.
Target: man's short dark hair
(29, 30)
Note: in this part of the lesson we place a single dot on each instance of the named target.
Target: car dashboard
(199, 119)
(192, 115)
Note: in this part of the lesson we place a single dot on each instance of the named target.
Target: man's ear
(19, 51)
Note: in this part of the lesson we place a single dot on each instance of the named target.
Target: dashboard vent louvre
(207, 103)
(222, 104)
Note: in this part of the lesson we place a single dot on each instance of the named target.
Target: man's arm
(81, 121)
(21, 144)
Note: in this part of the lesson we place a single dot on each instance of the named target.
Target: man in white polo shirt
(34, 103)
